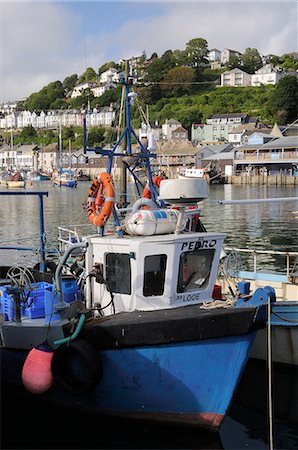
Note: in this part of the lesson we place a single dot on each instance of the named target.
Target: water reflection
(269, 226)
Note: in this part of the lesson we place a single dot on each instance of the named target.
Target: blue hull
(191, 383)
(65, 183)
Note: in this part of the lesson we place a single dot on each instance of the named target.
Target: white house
(168, 127)
(111, 75)
(226, 55)
(80, 88)
(235, 77)
(101, 88)
(214, 55)
(267, 75)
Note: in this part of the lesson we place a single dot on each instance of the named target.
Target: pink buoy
(37, 374)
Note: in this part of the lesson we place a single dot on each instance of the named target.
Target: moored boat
(13, 181)
(135, 327)
(284, 314)
(64, 178)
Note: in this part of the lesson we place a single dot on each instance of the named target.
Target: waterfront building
(275, 157)
(241, 133)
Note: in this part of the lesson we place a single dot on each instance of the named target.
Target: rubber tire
(87, 357)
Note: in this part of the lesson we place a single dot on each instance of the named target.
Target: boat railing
(72, 234)
(290, 267)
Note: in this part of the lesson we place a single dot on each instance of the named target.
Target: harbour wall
(277, 180)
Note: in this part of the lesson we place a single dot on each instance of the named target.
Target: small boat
(81, 176)
(136, 326)
(193, 173)
(211, 173)
(13, 181)
(64, 178)
(37, 176)
(235, 275)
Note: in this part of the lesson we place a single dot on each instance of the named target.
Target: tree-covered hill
(181, 84)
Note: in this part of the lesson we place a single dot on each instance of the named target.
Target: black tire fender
(77, 367)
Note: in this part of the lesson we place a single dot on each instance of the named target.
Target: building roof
(172, 122)
(179, 130)
(250, 127)
(284, 142)
(226, 116)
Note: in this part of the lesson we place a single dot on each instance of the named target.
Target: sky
(44, 41)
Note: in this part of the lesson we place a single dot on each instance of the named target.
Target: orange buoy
(99, 208)
(37, 374)
(156, 182)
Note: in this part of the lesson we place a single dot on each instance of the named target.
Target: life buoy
(156, 182)
(98, 208)
(77, 367)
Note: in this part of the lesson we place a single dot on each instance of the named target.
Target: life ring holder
(99, 208)
(77, 353)
(156, 183)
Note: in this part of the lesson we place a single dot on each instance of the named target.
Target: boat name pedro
(194, 245)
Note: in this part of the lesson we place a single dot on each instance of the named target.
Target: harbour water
(26, 422)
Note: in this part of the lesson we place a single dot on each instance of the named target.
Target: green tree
(107, 66)
(289, 62)
(28, 135)
(197, 52)
(234, 62)
(155, 71)
(70, 82)
(283, 101)
(95, 136)
(251, 60)
(178, 81)
(88, 76)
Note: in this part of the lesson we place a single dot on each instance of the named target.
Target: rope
(218, 304)
(269, 362)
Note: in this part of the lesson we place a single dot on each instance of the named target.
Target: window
(118, 272)
(154, 275)
(194, 269)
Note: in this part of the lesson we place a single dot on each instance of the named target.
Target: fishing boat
(13, 180)
(64, 178)
(136, 326)
(241, 269)
(212, 173)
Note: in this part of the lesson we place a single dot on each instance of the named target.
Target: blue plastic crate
(7, 303)
(36, 300)
(71, 292)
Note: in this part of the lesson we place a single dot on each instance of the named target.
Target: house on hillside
(214, 55)
(227, 53)
(80, 88)
(168, 127)
(267, 75)
(180, 134)
(235, 78)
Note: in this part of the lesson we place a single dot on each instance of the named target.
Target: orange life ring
(99, 210)
(156, 182)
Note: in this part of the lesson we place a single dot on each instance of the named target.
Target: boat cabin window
(118, 272)
(154, 275)
(194, 269)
